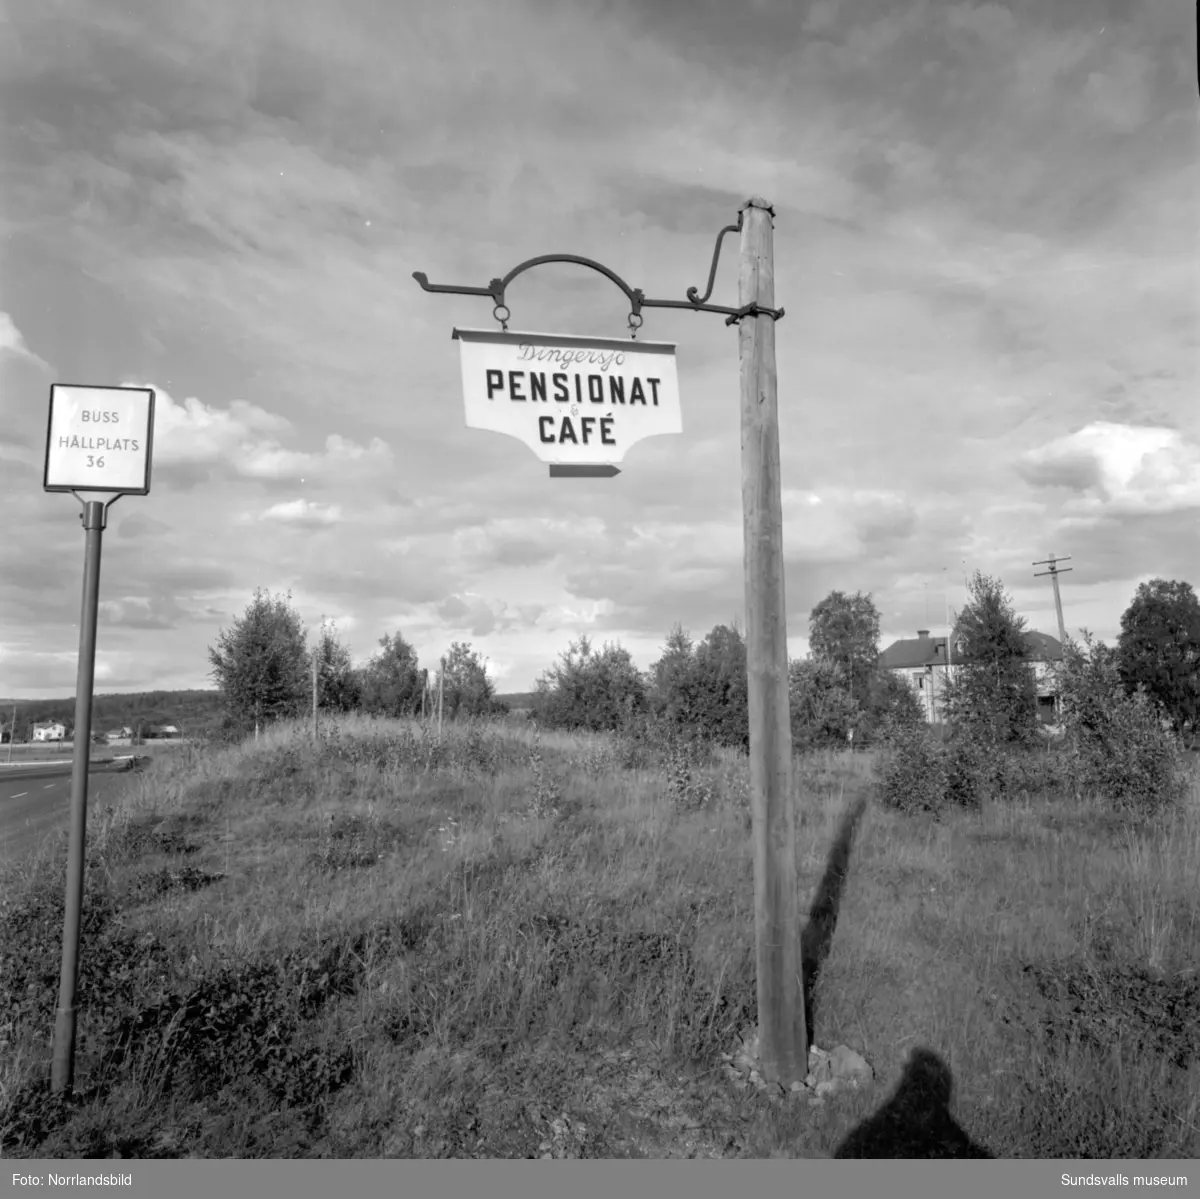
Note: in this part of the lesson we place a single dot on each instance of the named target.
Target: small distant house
(158, 732)
(53, 730)
(119, 734)
(924, 663)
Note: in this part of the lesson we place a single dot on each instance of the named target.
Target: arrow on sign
(575, 471)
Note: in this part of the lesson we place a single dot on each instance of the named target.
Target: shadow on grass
(817, 937)
(916, 1121)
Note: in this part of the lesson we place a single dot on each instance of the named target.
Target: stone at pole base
(829, 1073)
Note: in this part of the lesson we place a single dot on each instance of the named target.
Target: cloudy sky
(984, 239)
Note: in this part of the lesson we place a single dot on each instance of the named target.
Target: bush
(647, 742)
(912, 772)
(823, 709)
(589, 691)
(1118, 748)
(918, 772)
(892, 705)
(967, 773)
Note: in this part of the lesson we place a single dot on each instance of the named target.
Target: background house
(923, 663)
(53, 731)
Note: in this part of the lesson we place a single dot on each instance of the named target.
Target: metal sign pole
(62, 1075)
(98, 439)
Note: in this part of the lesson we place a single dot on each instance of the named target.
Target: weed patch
(1100, 1006)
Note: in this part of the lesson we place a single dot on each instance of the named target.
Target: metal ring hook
(502, 319)
(636, 321)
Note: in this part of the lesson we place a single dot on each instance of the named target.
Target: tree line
(263, 668)
(838, 693)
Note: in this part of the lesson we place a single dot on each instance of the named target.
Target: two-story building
(923, 663)
(53, 730)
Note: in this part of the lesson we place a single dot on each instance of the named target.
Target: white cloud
(1116, 468)
(304, 514)
(11, 341)
(193, 431)
(246, 440)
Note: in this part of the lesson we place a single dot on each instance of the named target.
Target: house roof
(913, 652)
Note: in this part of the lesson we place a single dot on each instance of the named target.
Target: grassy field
(505, 947)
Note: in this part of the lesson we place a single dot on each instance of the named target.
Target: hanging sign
(575, 401)
(99, 439)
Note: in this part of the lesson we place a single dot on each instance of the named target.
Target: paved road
(35, 800)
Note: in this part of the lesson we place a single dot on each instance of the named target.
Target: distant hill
(192, 712)
(517, 699)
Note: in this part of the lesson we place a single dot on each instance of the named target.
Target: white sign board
(577, 400)
(99, 439)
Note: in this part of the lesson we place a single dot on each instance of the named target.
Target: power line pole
(12, 735)
(441, 692)
(315, 656)
(783, 1042)
(949, 641)
(1054, 572)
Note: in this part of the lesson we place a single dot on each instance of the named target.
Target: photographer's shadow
(916, 1121)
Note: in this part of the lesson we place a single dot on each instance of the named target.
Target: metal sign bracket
(695, 302)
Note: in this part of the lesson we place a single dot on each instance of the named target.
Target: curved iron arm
(712, 274)
(637, 299)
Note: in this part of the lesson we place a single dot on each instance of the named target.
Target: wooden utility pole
(1054, 572)
(783, 1042)
(315, 657)
(12, 733)
(441, 690)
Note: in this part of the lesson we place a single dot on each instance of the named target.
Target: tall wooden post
(783, 1042)
(1054, 572)
(441, 692)
(314, 692)
(315, 659)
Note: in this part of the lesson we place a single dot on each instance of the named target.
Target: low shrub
(1118, 750)
(912, 772)
(969, 775)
